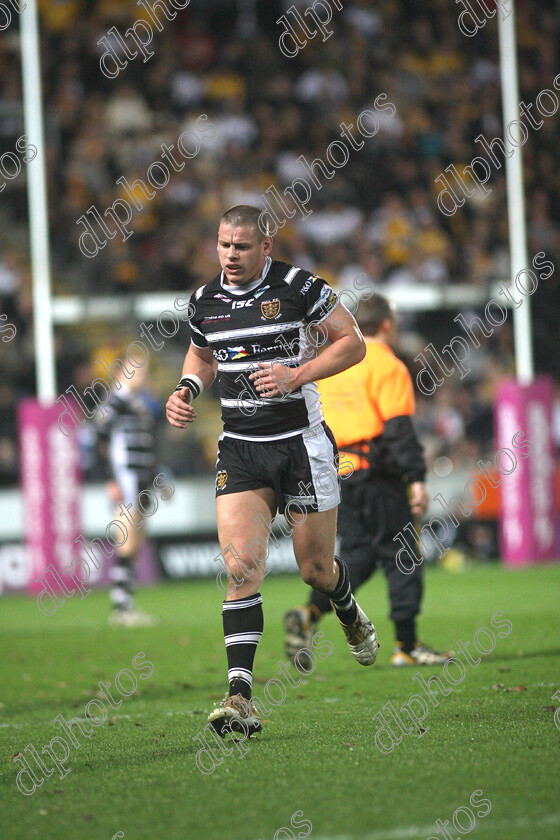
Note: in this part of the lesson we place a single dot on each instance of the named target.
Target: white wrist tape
(193, 383)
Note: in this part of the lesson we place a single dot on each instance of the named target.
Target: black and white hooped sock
(344, 603)
(243, 627)
(122, 583)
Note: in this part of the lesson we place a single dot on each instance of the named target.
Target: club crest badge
(270, 308)
(221, 479)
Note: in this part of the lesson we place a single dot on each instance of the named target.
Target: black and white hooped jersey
(125, 436)
(263, 322)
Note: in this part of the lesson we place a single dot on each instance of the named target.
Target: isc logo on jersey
(235, 304)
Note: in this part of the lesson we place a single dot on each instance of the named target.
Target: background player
(254, 324)
(369, 408)
(125, 444)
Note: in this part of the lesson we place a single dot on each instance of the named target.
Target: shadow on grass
(46, 708)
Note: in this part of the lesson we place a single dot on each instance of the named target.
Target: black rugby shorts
(302, 470)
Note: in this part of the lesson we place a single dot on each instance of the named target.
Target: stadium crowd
(378, 215)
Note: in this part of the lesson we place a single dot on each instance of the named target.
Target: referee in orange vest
(369, 408)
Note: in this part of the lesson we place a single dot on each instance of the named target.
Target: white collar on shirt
(242, 290)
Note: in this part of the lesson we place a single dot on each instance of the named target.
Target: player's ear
(267, 245)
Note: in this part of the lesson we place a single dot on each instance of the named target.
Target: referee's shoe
(421, 654)
(299, 625)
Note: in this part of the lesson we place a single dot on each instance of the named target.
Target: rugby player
(126, 450)
(256, 326)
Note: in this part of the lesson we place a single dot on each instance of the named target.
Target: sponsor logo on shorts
(303, 500)
(221, 479)
(270, 308)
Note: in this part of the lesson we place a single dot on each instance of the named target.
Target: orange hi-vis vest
(358, 402)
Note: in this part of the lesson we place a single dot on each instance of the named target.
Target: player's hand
(113, 490)
(178, 411)
(419, 498)
(274, 379)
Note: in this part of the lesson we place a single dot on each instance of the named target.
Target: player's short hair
(244, 215)
(372, 312)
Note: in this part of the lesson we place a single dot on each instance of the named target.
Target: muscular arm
(201, 363)
(347, 347)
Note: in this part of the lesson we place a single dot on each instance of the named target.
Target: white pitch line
(420, 832)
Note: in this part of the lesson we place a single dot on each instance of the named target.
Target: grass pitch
(137, 773)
